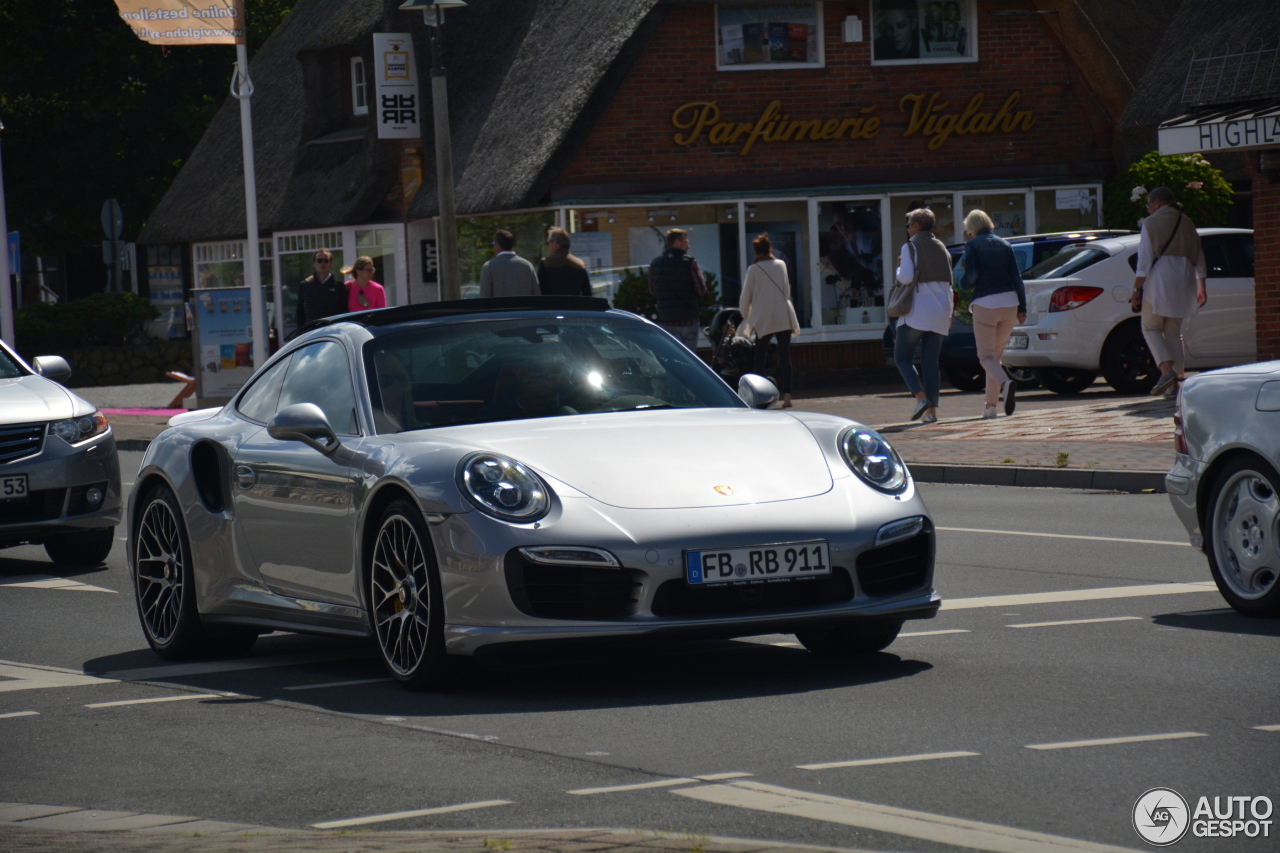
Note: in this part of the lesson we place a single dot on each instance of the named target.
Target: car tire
(405, 606)
(1242, 523)
(1126, 362)
(1065, 380)
(81, 549)
(163, 581)
(965, 377)
(849, 640)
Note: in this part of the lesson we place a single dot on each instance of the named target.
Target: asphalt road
(997, 705)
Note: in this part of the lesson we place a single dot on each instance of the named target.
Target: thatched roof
(525, 78)
(1199, 28)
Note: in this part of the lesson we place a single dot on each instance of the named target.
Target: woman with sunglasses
(363, 293)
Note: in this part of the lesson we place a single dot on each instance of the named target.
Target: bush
(633, 295)
(1201, 190)
(103, 319)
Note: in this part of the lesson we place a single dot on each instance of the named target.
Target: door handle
(245, 477)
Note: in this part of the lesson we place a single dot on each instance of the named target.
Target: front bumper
(58, 478)
(1183, 484)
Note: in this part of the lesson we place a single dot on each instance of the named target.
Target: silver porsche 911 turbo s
(59, 470)
(451, 477)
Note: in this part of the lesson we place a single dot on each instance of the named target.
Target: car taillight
(1072, 296)
(1179, 434)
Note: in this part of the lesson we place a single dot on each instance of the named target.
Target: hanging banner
(171, 22)
(397, 103)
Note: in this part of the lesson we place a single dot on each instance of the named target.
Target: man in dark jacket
(560, 273)
(321, 294)
(676, 282)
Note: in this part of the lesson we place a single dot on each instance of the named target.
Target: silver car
(451, 477)
(59, 472)
(1224, 482)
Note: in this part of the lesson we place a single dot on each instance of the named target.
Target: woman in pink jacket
(363, 293)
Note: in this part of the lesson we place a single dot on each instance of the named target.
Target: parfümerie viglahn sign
(397, 103)
(176, 22)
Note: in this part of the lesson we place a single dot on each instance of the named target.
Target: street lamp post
(433, 16)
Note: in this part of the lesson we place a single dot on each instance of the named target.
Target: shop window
(1008, 211)
(922, 32)
(851, 263)
(1067, 209)
(769, 36)
(475, 242)
(359, 88)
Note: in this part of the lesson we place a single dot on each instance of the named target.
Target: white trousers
(1164, 337)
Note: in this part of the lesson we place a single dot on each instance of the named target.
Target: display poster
(851, 263)
(1080, 200)
(594, 248)
(758, 34)
(164, 286)
(921, 30)
(224, 338)
(397, 102)
(178, 22)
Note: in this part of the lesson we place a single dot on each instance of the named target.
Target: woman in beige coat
(766, 307)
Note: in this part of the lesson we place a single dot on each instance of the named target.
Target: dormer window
(359, 88)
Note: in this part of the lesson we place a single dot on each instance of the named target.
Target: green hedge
(103, 319)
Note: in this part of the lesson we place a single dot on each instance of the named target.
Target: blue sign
(15, 254)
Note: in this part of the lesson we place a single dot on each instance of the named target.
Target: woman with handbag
(921, 303)
(766, 307)
(991, 272)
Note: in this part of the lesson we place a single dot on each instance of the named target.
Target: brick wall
(1266, 242)
(633, 143)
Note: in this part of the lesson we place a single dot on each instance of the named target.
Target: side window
(1243, 244)
(1217, 257)
(320, 374)
(259, 401)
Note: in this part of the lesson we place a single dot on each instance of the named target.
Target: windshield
(9, 368)
(1067, 262)
(498, 370)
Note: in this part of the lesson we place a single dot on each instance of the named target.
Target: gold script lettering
(699, 115)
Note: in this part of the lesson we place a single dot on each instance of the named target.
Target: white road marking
(337, 684)
(788, 645)
(716, 777)
(1268, 728)
(1109, 741)
(183, 698)
(1065, 536)
(383, 818)
(51, 582)
(897, 759)
(1076, 622)
(181, 670)
(29, 677)
(932, 633)
(1099, 594)
(661, 783)
(912, 824)
(19, 714)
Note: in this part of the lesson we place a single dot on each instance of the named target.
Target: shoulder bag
(901, 296)
(1137, 308)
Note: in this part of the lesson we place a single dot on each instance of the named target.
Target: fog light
(93, 496)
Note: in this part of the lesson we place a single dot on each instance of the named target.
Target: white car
(1079, 322)
(1223, 483)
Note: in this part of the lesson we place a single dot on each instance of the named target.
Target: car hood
(668, 458)
(28, 399)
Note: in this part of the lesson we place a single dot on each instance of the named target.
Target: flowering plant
(1201, 190)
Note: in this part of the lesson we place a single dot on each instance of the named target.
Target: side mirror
(756, 391)
(304, 422)
(53, 367)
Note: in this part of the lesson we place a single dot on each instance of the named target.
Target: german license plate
(788, 561)
(13, 486)
(1017, 342)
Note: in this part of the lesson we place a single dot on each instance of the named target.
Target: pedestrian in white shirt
(1169, 285)
(929, 320)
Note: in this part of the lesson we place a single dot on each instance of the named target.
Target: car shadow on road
(529, 681)
(11, 566)
(1225, 621)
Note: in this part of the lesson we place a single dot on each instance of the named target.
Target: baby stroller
(732, 353)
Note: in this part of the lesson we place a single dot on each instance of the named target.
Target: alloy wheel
(401, 595)
(1246, 521)
(161, 571)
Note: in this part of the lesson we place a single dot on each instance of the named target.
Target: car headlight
(83, 428)
(503, 488)
(874, 460)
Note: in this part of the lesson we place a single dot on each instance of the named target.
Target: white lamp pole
(450, 276)
(242, 90)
